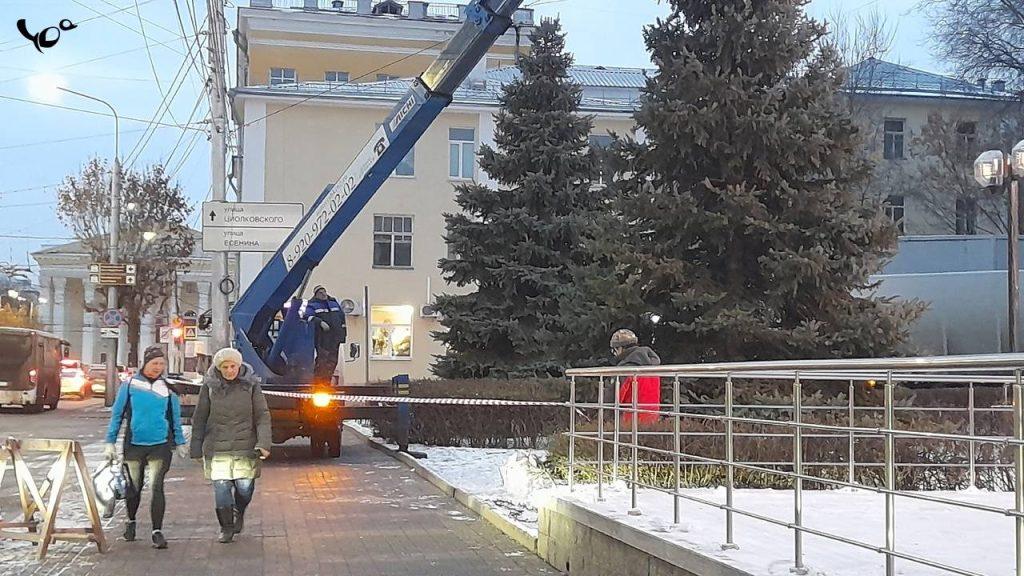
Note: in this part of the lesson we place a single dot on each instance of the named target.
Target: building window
(392, 241)
(967, 133)
(895, 210)
(893, 141)
(391, 332)
(407, 167)
(336, 77)
(600, 143)
(282, 76)
(461, 152)
(386, 77)
(966, 216)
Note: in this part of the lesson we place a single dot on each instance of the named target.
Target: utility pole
(115, 220)
(216, 86)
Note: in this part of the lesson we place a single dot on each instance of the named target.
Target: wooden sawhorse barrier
(69, 453)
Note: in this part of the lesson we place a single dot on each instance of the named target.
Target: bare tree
(944, 183)
(153, 229)
(980, 38)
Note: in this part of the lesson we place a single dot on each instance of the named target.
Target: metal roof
(612, 89)
(874, 76)
(629, 80)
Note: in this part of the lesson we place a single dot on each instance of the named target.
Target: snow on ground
(981, 542)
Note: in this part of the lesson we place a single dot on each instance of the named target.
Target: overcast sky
(106, 56)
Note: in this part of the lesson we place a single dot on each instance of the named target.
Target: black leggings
(148, 465)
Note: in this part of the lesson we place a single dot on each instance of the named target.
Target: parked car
(98, 376)
(73, 380)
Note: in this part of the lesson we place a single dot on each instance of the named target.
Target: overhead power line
(96, 112)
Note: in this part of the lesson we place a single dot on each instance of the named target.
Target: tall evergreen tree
(736, 222)
(515, 243)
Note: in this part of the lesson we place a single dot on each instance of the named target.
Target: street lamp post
(115, 219)
(993, 169)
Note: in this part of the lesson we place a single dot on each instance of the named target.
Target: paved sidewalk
(362, 515)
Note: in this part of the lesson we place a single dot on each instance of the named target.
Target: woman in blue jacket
(154, 430)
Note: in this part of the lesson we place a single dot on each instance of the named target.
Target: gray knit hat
(152, 353)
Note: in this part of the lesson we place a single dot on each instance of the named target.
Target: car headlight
(321, 399)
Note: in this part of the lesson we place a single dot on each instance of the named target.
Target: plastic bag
(111, 484)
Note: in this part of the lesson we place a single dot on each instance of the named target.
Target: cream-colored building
(892, 104)
(301, 132)
(72, 301)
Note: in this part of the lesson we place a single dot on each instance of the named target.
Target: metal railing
(882, 419)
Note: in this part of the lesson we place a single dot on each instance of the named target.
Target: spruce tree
(515, 243)
(736, 224)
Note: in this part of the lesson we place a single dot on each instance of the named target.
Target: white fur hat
(225, 354)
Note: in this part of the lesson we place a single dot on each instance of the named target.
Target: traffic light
(179, 335)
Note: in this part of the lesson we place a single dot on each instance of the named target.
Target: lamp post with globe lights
(995, 170)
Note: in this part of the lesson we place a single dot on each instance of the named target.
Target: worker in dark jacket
(628, 352)
(325, 313)
(231, 433)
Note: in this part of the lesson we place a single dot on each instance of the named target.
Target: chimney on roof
(981, 82)
(999, 85)
(364, 6)
(417, 10)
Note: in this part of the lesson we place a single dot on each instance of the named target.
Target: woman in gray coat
(231, 434)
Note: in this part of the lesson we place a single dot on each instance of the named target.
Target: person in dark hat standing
(626, 349)
(153, 412)
(327, 318)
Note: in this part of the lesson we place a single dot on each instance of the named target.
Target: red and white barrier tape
(418, 400)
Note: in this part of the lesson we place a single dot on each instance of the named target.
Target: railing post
(600, 441)
(677, 447)
(851, 460)
(730, 470)
(572, 431)
(1018, 469)
(618, 430)
(972, 472)
(798, 481)
(890, 477)
(635, 472)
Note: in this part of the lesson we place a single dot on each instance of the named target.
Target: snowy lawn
(980, 542)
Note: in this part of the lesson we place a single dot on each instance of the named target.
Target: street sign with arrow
(248, 226)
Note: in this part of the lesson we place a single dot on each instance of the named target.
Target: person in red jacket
(628, 352)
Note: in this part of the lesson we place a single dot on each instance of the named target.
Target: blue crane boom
(288, 358)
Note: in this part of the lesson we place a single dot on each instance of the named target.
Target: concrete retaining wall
(581, 542)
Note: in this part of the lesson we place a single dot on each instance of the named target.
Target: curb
(514, 532)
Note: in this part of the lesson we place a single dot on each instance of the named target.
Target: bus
(30, 366)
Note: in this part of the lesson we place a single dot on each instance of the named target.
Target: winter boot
(159, 542)
(129, 531)
(239, 519)
(226, 518)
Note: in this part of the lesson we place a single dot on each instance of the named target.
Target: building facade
(72, 303)
(303, 124)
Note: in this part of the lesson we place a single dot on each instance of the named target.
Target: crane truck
(284, 362)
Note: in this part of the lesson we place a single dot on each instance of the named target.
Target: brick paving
(364, 514)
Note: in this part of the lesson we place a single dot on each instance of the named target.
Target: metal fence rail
(795, 422)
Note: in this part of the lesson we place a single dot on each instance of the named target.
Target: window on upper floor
(283, 76)
(407, 167)
(392, 241)
(461, 153)
(967, 132)
(893, 139)
(600, 143)
(966, 216)
(895, 209)
(334, 77)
